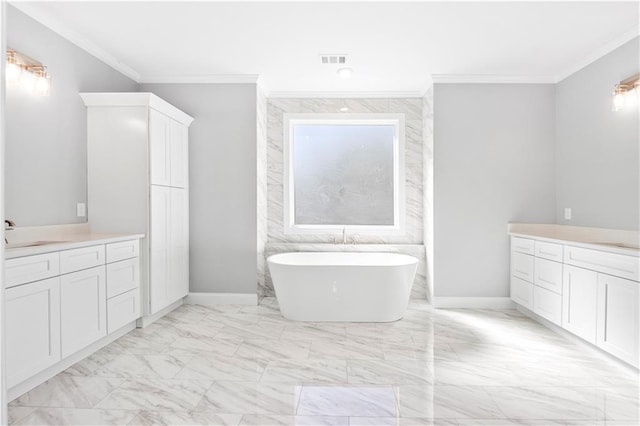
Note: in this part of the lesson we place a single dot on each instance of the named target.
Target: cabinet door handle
(606, 304)
(569, 298)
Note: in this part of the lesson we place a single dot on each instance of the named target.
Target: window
(344, 171)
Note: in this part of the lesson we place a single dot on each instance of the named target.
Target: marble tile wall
(413, 111)
(261, 168)
(427, 200)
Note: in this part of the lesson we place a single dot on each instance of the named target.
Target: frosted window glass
(343, 174)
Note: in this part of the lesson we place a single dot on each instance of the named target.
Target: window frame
(399, 202)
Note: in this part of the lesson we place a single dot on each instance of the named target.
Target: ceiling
(391, 46)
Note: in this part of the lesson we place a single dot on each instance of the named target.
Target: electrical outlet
(567, 213)
(81, 209)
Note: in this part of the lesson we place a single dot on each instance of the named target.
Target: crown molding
(83, 43)
(603, 50)
(342, 95)
(491, 79)
(203, 79)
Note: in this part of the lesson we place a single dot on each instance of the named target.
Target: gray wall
(494, 163)
(598, 170)
(223, 189)
(46, 141)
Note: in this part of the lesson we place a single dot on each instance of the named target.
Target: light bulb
(618, 101)
(43, 85)
(13, 73)
(28, 81)
(631, 98)
(345, 73)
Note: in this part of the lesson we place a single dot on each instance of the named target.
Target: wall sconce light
(625, 94)
(23, 71)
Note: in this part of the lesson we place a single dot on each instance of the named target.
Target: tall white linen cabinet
(138, 182)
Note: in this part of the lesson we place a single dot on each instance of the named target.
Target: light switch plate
(567, 213)
(81, 209)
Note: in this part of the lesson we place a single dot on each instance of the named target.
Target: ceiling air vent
(333, 59)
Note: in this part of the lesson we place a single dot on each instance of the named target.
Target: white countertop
(594, 238)
(59, 241)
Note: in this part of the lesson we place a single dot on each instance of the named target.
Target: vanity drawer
(522, 292)
(22, 270)
(123, 276)
(548, 275)
(82, 258)
(549, 251)
(522, 245)
(123, 309)
(522, 266)
(618, 265)
(547, 304)
(122, 250)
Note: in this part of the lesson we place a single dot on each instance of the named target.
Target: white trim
(98, 99)
(67, 362)
(399, 180)
(150, 319)
(202, 79)
(603, 50)
(83, 43)
(473, 302)
(352, 95)
(492, 79)
(209, 299)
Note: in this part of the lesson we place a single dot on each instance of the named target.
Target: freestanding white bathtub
(342, 286)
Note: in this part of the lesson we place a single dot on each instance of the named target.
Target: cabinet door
(83, 309)
(548, 274)
(522, 292)
(547, 304)
(123, 276)
(32, 329)
(159, 148)
(579, 302)
(159, 244)
(179, 154)
(123, 309)
(522, 266)
(618, 318)
(179, 265)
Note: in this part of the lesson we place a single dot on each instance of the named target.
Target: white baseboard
(222, 299)
(150, 319)
(473, 302)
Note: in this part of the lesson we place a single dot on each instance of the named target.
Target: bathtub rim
(409, 260)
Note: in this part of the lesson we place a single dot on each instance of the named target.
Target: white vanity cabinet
(618, 324)
(580, 301)
(592, 293)
(77, 304)
(145, 139)
(522, 261)
(83, 308)
(536, 281)
(32, 331)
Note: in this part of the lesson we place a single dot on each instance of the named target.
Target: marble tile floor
(247, 365)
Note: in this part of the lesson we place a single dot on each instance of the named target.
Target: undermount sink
(31, 244)
(621, 245)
